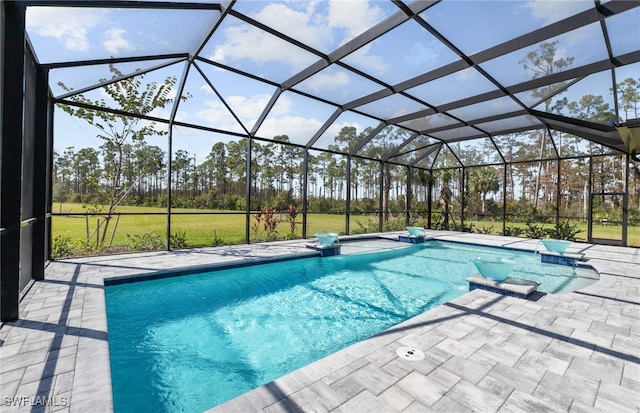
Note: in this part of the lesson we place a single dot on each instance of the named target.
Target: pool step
(511, 286)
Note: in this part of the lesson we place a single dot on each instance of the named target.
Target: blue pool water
(188, 343)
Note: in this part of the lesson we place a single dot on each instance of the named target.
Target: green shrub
(512, 231)
(484, 230)
(564, 230)
(394, 224)
(366, 227)
(178, 240)
(150, 241)
(61, 246)
(535, 231)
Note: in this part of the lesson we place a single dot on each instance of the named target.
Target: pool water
(188, 343)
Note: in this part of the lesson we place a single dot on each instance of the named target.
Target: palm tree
(483, 181)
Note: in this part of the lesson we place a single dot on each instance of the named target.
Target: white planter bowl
(556, 245)
(416, 231)
(497, 269)
(328, 238)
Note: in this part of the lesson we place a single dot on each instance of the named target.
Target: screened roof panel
(384, 142)
(332, 139)
(322, 25)
(338, 84)
(474, 152)
(84, 33)
(246, 97)
(81, 77)
(510, 123)
(457, 133)
(549, 93)
(418, 49)
(456, 86)
(391, 107)
(626, 77)
(427, 123)
(481, 17)
(624, 32)
(101, 98)
(392, 59)
(203, 107)
(578, 48)
(414, 149)
(481, 110)
(250, 49)
(296, 116)
(589, 99)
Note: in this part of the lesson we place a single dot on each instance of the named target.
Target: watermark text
(22, 401)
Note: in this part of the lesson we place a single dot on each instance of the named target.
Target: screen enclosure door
(607, 218)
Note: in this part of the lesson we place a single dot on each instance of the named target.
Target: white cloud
(70, 26)
(375, 64)
(313, 23)
(114, 41)
(282, 106)
(552, 11)
(328, 81)
(353, 16)
(218, 55)
(216, 114)
(249, 42)
(248, 108)
(206, 89)
(296, 23)
(421, 54)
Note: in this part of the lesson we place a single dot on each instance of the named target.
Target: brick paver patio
(574, 352)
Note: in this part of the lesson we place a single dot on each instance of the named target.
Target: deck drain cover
(410, 353)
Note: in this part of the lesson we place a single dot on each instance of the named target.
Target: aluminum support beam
(40, 173)
(12, 22)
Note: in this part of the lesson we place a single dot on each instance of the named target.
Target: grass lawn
(200, 230)
(229, 227)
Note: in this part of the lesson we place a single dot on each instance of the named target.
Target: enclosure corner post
(247, 223)
(169, 171)
(348, 198)
(305, 196)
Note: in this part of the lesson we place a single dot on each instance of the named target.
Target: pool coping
(197, 269)
(59, 348)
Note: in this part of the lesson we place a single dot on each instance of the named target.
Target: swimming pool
(191, 342)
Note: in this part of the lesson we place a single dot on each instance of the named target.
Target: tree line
(277, 176)
(125, 169)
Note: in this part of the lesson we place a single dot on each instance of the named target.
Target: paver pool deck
(484, 352)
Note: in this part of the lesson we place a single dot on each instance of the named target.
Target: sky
(70, 34)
